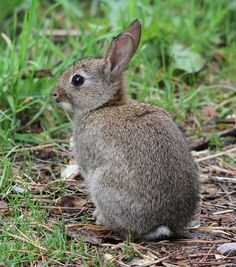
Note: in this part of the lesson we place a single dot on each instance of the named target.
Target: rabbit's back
(138, 149)
(136, 133)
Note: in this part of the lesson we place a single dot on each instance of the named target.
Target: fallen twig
(219, 169)
(210, 228)
(217, 155)
(42, 73)
(198, 241)
(204, 142)
(223, 179)
(92, 227)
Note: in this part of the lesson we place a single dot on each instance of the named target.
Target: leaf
(209, 112)
(115, 9)
(70, 172)
(141, 262)
(72, 8)
(228, 249)
(86, 235)
(108, 257)
(30, 138)
(3, 205)
(169, 264)
(185, 59)
(210, 190)
(19, 189)
(72, 202)
(69, 204)
(8, 7)
(148, 262)
(219, 257)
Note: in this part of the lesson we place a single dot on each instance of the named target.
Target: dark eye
(77, 80)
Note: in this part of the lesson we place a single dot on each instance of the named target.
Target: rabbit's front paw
(96, 213)
(99, 219)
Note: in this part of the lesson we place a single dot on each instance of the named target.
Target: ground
(185, 64)
(65, 209)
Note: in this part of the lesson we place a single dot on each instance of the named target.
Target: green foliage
(215, 141)
(129, 252)
(177, 35)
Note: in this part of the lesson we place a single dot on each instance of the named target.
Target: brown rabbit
(134, 158)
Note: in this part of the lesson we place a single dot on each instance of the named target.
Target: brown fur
(134, 158)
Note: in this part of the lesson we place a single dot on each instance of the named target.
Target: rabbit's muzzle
(58, 94)
(62, 98)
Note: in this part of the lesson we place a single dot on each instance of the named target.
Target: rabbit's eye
(77, 80)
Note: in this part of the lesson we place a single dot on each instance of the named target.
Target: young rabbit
(133, 157)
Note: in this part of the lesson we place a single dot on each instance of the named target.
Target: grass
(29, 116)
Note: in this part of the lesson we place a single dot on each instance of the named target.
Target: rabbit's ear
(123, 47)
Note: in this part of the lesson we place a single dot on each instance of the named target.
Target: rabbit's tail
(161, 232)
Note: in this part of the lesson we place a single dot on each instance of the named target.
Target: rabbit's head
(94, 82)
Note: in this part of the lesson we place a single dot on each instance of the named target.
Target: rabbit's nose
(55, 95)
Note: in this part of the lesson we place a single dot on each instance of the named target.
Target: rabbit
(135, 161)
